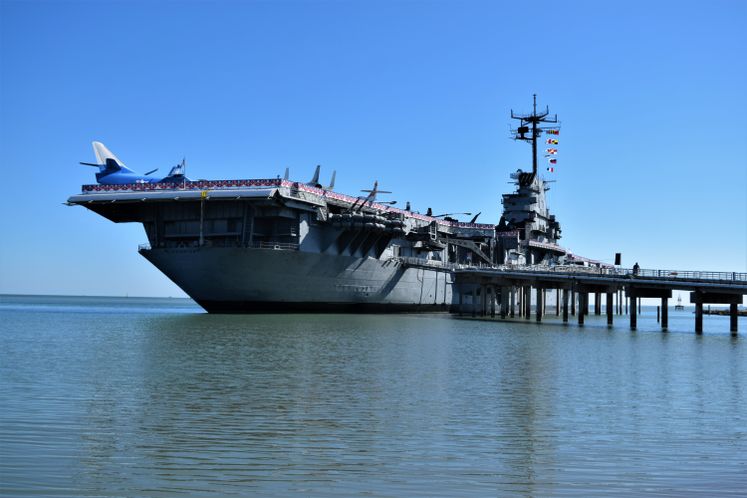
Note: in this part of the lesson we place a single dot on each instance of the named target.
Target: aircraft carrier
(276, 245)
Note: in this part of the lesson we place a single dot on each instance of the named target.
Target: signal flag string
(552, 151)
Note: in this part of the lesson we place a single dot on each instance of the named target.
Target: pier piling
(527, 302)
(709, 297)
(483, 300)
(504, 300)
(584, 298)
(519, 301)
(513, 301)
(492, 301)
(733, 314)
(540, 300)
(573, 303)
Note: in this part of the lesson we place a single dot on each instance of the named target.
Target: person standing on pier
(636, 269)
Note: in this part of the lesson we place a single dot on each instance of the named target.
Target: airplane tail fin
(178, 170)
(315, 179)
(331, 185)
(105, 157)
(107, 162)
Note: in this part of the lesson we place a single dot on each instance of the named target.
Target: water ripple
(154, 403)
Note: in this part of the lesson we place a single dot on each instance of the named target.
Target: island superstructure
(527, 234)
(256, 245)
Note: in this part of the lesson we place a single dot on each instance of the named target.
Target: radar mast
(529, 130)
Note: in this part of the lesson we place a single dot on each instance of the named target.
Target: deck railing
(262, 244)
(185, 185)
(286, 246)
(432, 263)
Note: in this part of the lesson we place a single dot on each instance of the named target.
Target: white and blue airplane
(112, 171)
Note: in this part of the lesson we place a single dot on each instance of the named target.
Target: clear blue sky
(652, 98)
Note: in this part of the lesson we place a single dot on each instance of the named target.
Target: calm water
(143, 397)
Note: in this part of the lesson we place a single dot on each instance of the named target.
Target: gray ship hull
(240, 280)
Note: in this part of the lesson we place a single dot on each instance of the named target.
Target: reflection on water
(166, 400)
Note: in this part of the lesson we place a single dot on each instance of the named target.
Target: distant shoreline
(724, 312)
(95, 296)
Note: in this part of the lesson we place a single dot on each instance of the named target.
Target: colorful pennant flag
(552, 151)
(553, 161)
(551, 169)
(552, 132)
(552, 141)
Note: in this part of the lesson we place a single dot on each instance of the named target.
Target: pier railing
(689, 275)
(710, 276)
(570, 270)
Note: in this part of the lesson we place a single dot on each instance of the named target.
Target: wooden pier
(508, 286)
